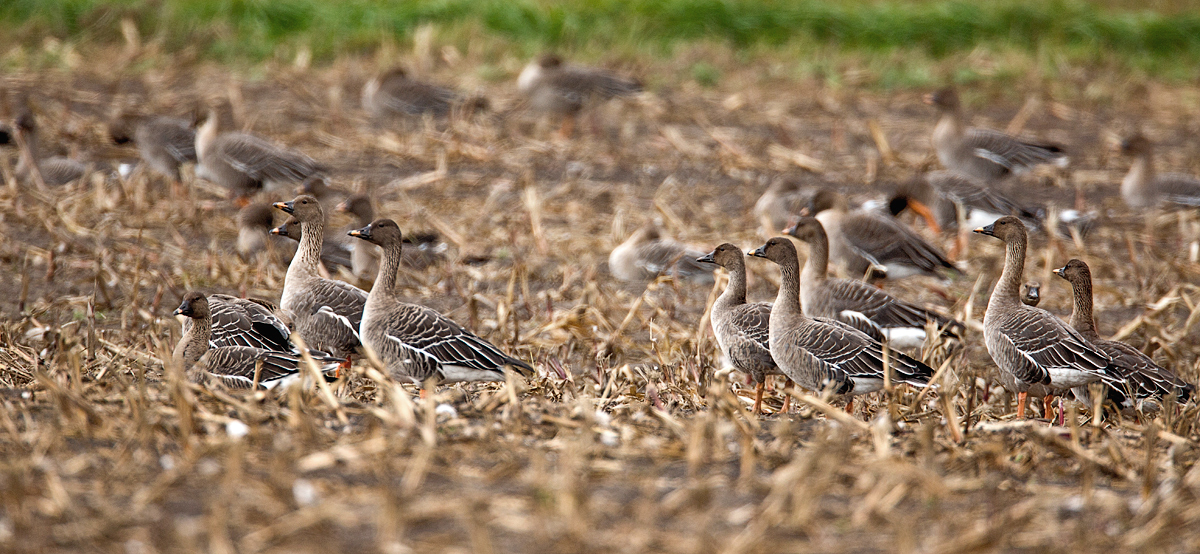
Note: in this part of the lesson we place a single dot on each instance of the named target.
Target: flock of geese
(822, 333)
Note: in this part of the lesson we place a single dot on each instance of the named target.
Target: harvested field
(629, 439)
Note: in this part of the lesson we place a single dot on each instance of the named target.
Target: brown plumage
(646, 254)
(53, 170)
(245, 163)
(1142, 187)
(781, 203)
(395, 93)
(552, 86)
(164, 143)
(415, 342)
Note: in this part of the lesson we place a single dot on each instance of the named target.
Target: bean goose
(332, 255)
(856, 303)
(646, 254)
(871, 243)
(244, 163)
(983, 154)
(254, 224)
(1143, 188)
(1145, 381)
(394, 93)
(1031, 294)
(943, 197)
(778, 206)
(1036, 352)
(421, 250)
(54, 170)
(326, 313)
(164, 143)
(415, 342)
(818, 353)
(555, 87)
(229, 337)
(741, 328)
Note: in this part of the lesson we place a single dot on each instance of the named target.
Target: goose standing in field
(778, 206)
(229, 337)
(1031, 294)
(983, 154)
(326, 313)
(1035, 352)
(856, 303)
(254, 224)
(646, 254)
(364, 256)
(816, 352)
(164, 143)
(742, 328)
(245, 163)
(332, 255)
(1143, 188)
(555, 87)
(415, 342)
(864, 241)
(942, 198)
(54, 170)
(1145, 381)
(395, 93)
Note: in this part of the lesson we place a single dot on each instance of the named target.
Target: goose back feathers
(553, 86)
(415, 342)
(741, 328)
(646, 254)
(1142, 187)
(245, 163)
(164, 143)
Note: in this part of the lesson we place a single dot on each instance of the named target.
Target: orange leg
(758, 394)
(423, 393)
(787, 398)
(344, 366)
(1048, 407)
(926, 214)
(1022, 398)
(850, 405)
(568, 127)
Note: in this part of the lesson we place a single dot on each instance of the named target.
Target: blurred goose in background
(1031, 294)
(54, 170)
(421, 250)
(332, 255)
(818, 353)
(942, 198)
(781, 203)
(858, 304)
(983, 154)
(1036, 352)
(870, 243)
(164, 143)
(395, 93)
(7, 133)
(560, 89)
(326, 313)
(741, 328)
(1146, 383)
(232, 340)
(244, 163)
(254, 224)
(415, 342)
(1143, 188)
(646, 254)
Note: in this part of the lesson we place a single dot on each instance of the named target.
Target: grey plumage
(415, 342)
(53, 170)
(244, 163)
(553, 86)
(983, 153)
(1035, 352)
(1144, 380)
(332, 254)
(817, 353)
(326, 313)
(741, 328)
(395, 93)
(949, 195)
(856, 303)
(164, 143)
(1142, 187)
(646, 254)
(866, 241)
(228, 338)
(781, 203)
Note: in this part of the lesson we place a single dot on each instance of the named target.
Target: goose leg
(568, 127)
(1022, 398)
(926, 214)
(850, 406)
(1048, 407)
(344, 366)
(787, 398)
(758, 394)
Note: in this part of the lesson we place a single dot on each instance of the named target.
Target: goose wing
(435, 340)
(967, 192)
(851, 354)
(1143, 378)
(1178, 188)
(415, 98)
(235, 365)
(1031, 342)
(582, 82)
(877, 306)
(238, 322)
(750, 325)
(1013, 154)
(173, 135)
(884, 240)
(263, 161)
(664, 256)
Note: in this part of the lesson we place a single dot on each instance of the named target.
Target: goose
(1035, 352)
(779, 204)
(941, 198)
(333, 255)
(819, 353)
(1145, 381)
(245, 163)
(164, 143)
(415, 342)
(54, 170)
(646, 254)
(864, 241)
(1031, 293)
(983, 154)
(742, 328)
(421, 250)
(555, 87)
(254, 224)
(326, 313)
(1143, 188)
(228, 339)
(395, 93)
(856, 303)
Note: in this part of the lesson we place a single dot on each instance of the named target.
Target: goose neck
(308, 256)
(788, 300)
(1008, 289)
(735, 291)
(1141, 173)
(389, 266)
(816, 267)
(205, 135)
(1081, 314)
